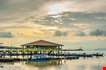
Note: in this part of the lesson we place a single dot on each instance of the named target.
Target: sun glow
(57, 8)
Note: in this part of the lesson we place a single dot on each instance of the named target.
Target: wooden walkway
(14, 57)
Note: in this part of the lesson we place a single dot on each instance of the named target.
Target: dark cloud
(60, 33)
(98, 33)
(6, 35)
(15, 9)
(70, 17)
(80, 33)
(20, 8)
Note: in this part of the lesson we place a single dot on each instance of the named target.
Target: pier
(19, 56)
(53, 51)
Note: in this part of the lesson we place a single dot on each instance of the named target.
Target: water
(80, 64)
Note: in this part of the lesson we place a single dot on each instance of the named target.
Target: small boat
(41, 58)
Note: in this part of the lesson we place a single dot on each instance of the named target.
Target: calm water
(80, 64)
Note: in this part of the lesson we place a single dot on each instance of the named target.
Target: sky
(74, 23)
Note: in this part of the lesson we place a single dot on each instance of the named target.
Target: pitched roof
(43, 43)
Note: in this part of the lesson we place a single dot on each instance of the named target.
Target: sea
(94, 63)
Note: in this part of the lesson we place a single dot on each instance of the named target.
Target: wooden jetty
(27, 57)
(26, 53)
(79, 55)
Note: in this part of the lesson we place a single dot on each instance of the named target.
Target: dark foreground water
(80, 64)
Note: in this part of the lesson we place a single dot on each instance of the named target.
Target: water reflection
(96, 67)
(45, 63)
(80, 64)
(81, 67)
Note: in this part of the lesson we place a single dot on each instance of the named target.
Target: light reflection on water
(80, 64)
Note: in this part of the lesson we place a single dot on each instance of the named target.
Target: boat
(41, 58)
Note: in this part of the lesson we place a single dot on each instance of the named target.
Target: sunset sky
(74, 23)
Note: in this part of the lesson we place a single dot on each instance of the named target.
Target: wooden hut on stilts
(44, 47)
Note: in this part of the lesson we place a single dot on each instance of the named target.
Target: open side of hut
(43, 46)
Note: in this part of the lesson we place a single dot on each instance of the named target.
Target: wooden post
(23, 52)
(61, 49)
(17, 54)
(10, 54)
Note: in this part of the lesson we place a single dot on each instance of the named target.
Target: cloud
(11, 10)
(6, 35)
(98, 32)
(80, 34)
(67, 18)
(60, 33)
(95, 5)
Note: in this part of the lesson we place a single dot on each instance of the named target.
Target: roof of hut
(42, 43)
